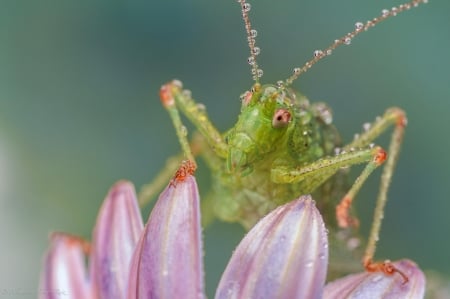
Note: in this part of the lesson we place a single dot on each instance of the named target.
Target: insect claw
(186, 169)
(387, 267)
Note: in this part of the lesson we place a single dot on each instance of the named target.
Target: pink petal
(284, 256)
(119, 225)
(64, 274)
(168, 261)
(378, 285)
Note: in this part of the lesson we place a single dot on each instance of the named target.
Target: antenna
(251, 35)
(347, 39)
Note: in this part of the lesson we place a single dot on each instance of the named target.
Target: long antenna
(251, 36)
(347, 39)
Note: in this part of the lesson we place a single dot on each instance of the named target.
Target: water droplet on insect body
(184, 131)
(177, 83)
(201, 107)
(187, 93)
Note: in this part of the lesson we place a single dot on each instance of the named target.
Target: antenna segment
(347, 39)
(251, 36)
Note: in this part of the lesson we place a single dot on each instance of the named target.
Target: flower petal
(64, 273)
(378, 285)
(168, 261)
(284, 256)
(117, 231)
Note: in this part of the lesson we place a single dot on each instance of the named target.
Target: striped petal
(284, 256)
(64, 274)
(168, 261)
(378, 285)
(117, 231)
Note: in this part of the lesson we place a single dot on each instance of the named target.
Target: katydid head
(265, 118)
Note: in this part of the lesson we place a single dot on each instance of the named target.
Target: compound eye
(281, 118)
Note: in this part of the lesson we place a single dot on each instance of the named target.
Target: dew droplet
(322, 256)
(309, 264)
(256, 51)
(318, 53)
(177, 83)
(347, 40)
(253, 33)
(385, 12)
(184, 130)
(359, 26)
(259, 73)
(280, 84)
(366, 126)
(246, 7)
(251, 60)
(394, 11)
(297, 70)
(377, 278)
(328, 52)
(201, 107)
(186, 93)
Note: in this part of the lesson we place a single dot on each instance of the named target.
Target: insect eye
(281, 118)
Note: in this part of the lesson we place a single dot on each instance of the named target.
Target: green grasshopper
(282, 147)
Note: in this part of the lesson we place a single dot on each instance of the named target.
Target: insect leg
(392, 117)
(175, 99)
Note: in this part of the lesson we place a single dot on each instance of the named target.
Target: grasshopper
(283, 146)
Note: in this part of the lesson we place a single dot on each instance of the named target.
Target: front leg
(174, 98)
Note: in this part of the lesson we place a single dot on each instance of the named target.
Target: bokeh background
(79, 108)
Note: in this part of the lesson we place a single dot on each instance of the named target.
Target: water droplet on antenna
(318, 53)
(359, 26)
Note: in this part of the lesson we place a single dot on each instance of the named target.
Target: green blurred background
(79, 108)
